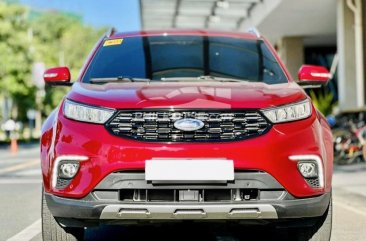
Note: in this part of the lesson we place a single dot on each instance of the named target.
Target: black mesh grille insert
(158, 125)
(313, 182)
(62, 183)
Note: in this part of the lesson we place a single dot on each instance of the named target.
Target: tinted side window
(272, 71)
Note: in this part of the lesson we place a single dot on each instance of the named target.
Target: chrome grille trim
(158, 125)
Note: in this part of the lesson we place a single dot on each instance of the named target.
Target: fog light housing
(65, 159)
(308, 169)
(68, 170)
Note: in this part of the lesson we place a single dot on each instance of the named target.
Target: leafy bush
(323, 101)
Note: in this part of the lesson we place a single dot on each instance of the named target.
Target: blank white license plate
(166, 169)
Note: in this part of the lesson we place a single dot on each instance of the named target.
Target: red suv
(186, 125)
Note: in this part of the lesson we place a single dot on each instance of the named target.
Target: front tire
(321, 231)
(51, 230)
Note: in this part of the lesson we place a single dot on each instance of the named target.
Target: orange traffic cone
(14, 146)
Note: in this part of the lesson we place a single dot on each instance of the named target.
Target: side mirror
(312, 76)
(57, 76)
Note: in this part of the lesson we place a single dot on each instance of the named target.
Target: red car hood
(219, 95)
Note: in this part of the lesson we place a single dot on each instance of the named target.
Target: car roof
(209, 33)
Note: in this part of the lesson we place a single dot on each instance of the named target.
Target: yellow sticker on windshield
(112, 42)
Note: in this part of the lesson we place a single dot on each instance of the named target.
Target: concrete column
(291, 51)
(350, 84)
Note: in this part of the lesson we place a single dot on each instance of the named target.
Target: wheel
(51, 230)
(321, 231)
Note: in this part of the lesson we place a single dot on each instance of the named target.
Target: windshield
(163, 57)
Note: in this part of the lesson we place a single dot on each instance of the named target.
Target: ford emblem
(188, 124)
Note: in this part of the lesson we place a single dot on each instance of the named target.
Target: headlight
(297, 111)
(86, 113)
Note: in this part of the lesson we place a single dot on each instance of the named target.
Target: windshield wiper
(117, 79)
(203, 77)
(220, 79)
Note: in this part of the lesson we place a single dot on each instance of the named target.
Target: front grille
(219, 125)
(173, 195)
(130, 187)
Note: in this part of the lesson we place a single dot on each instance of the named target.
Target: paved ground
(20, 192)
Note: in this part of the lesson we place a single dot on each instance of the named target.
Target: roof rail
(110, 32)
(254, 31)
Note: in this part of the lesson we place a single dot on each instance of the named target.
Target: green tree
(62, 40)
(16, 58)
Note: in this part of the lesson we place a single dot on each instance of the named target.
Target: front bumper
(108, 202)
(89, 209)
